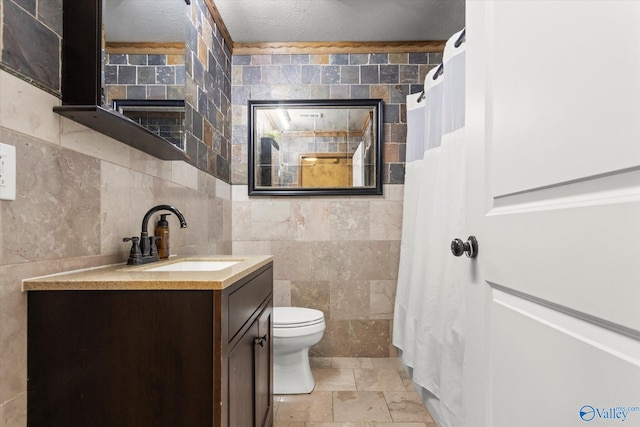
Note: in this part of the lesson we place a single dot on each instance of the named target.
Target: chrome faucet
(145, 251)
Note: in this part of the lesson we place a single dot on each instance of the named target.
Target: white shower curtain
(422, 131)
(429, 309)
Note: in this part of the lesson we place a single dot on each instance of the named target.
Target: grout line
(355, 380)
(333, 410)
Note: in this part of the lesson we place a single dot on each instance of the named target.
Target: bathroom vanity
(132, 346)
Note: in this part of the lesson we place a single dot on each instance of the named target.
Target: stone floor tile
(336, 424)
(334, 379)
(316, 406)
(376, 424)
(379, 380)
(354, 392)
(387, 363)
(360, 406)
(351, 362)
(406, 380)
(407, 407)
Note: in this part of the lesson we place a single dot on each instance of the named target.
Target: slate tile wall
(208, 94)
(389, 76)
(140, 76)
(31, 41)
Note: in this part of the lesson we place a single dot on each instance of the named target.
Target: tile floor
(355, 392)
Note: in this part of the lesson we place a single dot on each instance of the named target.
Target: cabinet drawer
(244, 302)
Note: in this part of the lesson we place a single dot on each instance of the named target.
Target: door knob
(470, 247)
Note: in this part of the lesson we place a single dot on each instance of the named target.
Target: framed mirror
(144, 61)
(82, 81)
(315, 147)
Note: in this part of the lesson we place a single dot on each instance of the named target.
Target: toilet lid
(290, 317)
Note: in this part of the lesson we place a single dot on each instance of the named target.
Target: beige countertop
(126, 277)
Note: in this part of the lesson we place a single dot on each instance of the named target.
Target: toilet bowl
(295, 329)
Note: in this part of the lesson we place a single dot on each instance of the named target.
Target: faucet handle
(153, 248)
(135, 252)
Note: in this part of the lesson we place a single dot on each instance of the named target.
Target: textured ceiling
(144, 20)
(341, 20)
(254, 21)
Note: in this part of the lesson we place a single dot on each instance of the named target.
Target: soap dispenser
(162, 236)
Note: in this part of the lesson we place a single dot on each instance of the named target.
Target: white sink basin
(194, 266)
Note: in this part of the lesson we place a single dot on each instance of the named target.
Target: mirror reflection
(315, 147)
(165, 118)
(144, 63)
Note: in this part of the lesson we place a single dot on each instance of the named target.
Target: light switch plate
(7, 172)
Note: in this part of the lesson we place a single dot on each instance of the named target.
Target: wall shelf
(123, 129)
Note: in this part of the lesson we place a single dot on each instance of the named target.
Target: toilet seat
(296, 317)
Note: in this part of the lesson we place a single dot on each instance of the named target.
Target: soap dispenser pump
(162, 236)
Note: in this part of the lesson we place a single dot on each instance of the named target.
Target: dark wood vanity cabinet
(133, 358)
(250, 397)
(248, 353)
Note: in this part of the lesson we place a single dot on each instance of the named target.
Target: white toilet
(295, 329)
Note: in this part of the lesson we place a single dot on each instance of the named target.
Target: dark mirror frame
(82, 83)
(254, 105)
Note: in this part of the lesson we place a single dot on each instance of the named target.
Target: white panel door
(553, 180)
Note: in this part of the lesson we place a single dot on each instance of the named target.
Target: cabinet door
(242, 380)
(264, 371)
(120, 358)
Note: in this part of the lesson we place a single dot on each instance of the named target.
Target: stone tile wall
(148, 77)
(336, 254)
(78, 194)
(31, 39)
(34, 24)
(388, 76)
(143, 76)
(208, 94)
